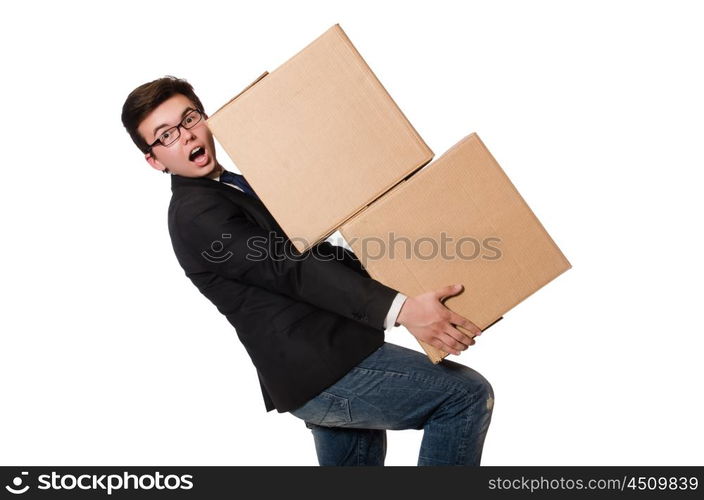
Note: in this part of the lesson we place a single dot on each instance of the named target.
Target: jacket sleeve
(230, 245)
(341, 254)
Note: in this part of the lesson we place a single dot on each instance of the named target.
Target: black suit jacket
(304, 319)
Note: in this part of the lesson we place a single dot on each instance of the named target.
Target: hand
(427, 318)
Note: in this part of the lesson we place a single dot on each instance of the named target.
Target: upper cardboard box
(458, 220)
(319, 138)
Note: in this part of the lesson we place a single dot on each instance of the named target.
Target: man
(313, 324)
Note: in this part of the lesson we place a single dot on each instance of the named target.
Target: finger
(465, 340)
(448, 349)
(456, 319)
(445, 348)
(446, 343)
(453, 344)
(447, 291)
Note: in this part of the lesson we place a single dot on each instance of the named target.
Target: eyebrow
(185, 112)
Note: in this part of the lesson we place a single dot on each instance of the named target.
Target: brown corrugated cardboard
(319, 138)
(458, 220)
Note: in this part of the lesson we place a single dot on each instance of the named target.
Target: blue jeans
(397, 388)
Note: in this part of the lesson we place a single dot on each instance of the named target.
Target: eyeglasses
(171, 135)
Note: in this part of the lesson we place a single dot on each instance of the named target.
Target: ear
(154, 163)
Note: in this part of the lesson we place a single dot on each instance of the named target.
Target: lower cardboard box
(458, 220)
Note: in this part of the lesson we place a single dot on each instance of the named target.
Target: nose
(187, 135)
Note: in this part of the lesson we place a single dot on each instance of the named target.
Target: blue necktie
(239, 181)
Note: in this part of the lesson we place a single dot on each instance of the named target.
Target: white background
(110, 355)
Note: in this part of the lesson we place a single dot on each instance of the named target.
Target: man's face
(183, 156)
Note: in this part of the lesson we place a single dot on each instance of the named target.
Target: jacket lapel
(253, 208)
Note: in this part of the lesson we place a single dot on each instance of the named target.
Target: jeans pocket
(338, 412)
(325, 409)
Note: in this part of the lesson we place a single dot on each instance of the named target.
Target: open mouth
(197, 154)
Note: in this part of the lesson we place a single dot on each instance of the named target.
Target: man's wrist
(404, 311)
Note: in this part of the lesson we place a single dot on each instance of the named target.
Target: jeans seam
(359, 451)
(432, 380)
(383, 372)
(462, 450)
(452, 386)
(470, 397)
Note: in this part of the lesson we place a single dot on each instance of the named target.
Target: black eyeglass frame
(177, 130)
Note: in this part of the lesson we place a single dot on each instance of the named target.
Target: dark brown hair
(147, 97)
